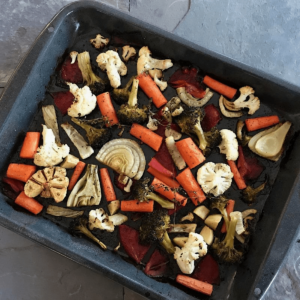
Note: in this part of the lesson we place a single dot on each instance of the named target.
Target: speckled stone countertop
(262, 34)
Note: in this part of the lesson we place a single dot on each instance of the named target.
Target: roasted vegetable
(250, 193)
(212, 138)
(220, 203)
(190, 101)
(128, 52)
(50, 119)
(212, 117)
(142, 192)
(241, 135)
(130, 113)
(96, 137)
(99, 41)
(225, 250)
(229, 144)
(121, 96)
(154, 227)
(58, 211)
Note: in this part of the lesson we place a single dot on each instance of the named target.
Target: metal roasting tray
(27, 87)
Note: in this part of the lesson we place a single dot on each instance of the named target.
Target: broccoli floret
(249, 194)
(121, 96)
(154, 227)
(225, 250)
(220, 204)
(213, 138)
(189, 122)
(142, 192)
(96, 137)
(130, 112)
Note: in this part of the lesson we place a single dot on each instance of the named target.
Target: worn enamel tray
(27, 87)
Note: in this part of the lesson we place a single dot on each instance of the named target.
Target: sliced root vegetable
(225, 112)
(157, 265)
(176, 156)
(219, 87)
(30, 145)
(107, 109)
(207, 234)
(239, 180)
(180, 241)
(129, 239)
(155, 164)
(107, 185)
(82, 146)
(261, 122)
(191, 186)
(213, 221)
(70, 162)
(201, 211)
(16, 185)
(211, 118)
(118, 219)
(29, 203)
(70, 71)
(76, 174)
(189, 151)
(194, 284)
(187, 228)
(147, 136)
(137, 206)
(190, 101)
(50, 119)
(63, 101)
(125, 156)
(188, 217)
(20, 171)
(63, 212)
(113, 206)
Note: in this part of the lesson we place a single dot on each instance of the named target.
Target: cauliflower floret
(84, 102)
(229, 144)
(98, 218)
(214, 178)
(99, 41)
(152, 124)
(194, 248)
(50, 154)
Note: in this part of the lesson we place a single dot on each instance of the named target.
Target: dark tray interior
(22, 98)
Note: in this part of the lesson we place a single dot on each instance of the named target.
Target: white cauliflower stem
(194, 248)
(214, 178)
(50, 154)
(229, 144)
(84, 102)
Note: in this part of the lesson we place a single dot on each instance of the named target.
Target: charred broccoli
(189, 122)
(225, 250)
(154, 227)
(249, 194)
(121, 96)
(130, 113)
(142, 192)
(220, 204)
(97, 137)
(213, 138)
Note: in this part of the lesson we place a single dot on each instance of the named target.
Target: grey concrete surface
(263, 34)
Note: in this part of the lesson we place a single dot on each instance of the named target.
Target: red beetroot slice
(157, 265)
(207, 270)
(212, 117)
(16, 185)
(63, 100)
(249, 167)
(129, 239)
(188, 78)
(176, 209)
(71, 72)
(155, 164)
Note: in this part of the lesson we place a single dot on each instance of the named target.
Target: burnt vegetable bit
(249, 194)
(142, 192)
(96, 137)
(130, 113)
(121, 96)
(154, 227)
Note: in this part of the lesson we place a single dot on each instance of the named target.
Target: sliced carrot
(239, 180)
(107, 185)
(229, 209)
(30, 145)
(155, 164)
(107, 109)
(20, 171)
(189, 151)
(219, 87)
(166, 191)
(191, 186)
(29, 203)
(194, 284)
(261, 122)
(137, 206)
(172, 183)
(147, 136)
(76, 174)
(150, 88)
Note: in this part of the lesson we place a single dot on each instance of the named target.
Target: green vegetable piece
(58, 211)
(250, 193)
(121, 96)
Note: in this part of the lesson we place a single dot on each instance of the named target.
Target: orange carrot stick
(30, 145)
(151, 89)
(107, 109)
(239, 180)
(107, 185)
(219, 87)
(172, 183)
(261, 122)
(29, 203)
(166, 191)
(147, 136)
(189, 151)
(20, 172)
(191, 186)
(137, 206)
(77, 172)
(229, 209)
(194, 284)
